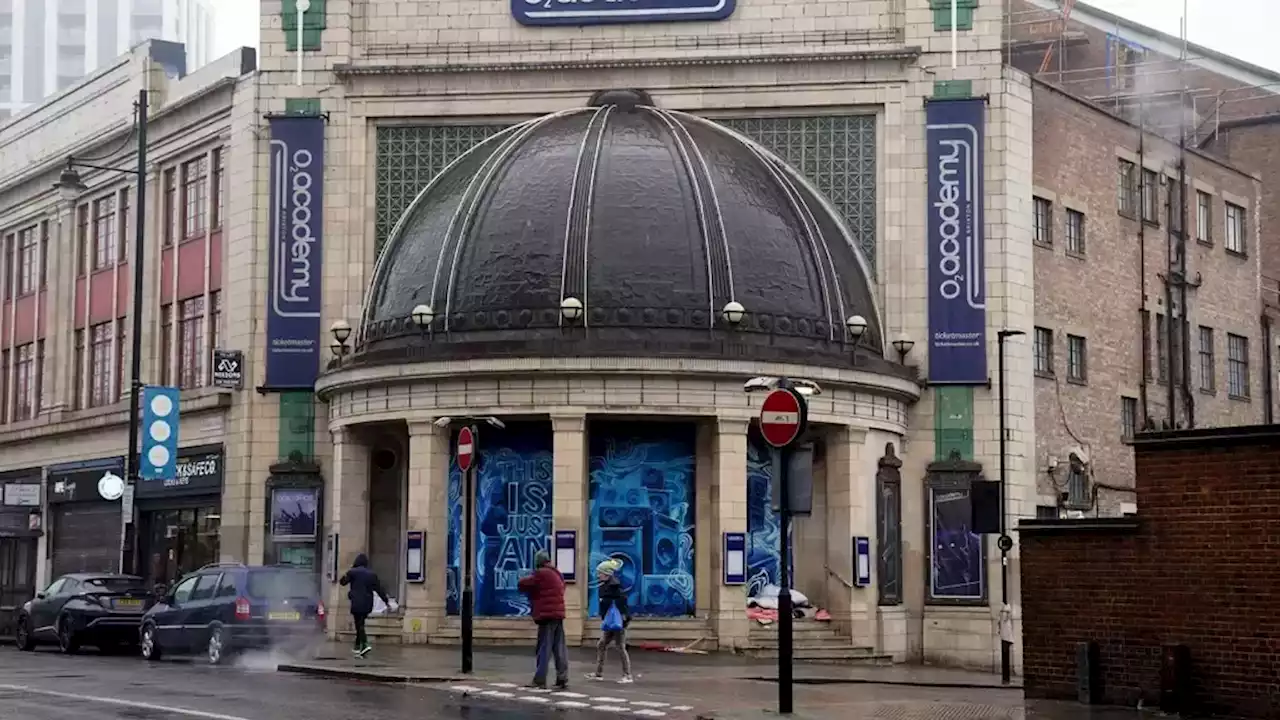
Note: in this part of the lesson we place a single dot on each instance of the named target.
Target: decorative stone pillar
(729, 502)
(705, 539)
(428, 498)
(59, 355)
(349, 503)
(569, 501)
(850, 513)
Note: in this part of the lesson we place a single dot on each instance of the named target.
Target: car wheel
(22, 636)
(217, 650)
(148, 647)
(67, 641)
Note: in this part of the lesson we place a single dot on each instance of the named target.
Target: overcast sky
(1244, 28)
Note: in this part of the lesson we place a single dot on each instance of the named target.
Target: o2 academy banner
(957, 277)
(295, 252)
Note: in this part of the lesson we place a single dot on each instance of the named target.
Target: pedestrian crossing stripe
(578, 701)
(650, 704)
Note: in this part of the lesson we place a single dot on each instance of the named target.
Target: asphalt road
(48, 686)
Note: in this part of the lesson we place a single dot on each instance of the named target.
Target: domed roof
(653, 220)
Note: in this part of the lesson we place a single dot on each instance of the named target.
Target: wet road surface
(47, 686)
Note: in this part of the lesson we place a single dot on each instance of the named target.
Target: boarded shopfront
(85, 529)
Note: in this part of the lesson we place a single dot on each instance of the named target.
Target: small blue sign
(956, 247)
(603, 12)
(159, 456)
(861, 561)
(735, 558)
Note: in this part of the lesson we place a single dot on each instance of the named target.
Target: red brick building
(1195, 568)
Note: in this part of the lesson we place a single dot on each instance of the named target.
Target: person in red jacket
(545, 588)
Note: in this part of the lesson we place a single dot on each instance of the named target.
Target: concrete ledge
(900, 682)
(368, 674)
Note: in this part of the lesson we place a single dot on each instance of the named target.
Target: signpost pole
(467, 463)
(785, 620)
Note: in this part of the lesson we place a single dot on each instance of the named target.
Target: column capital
(569, 422)
(423, 428)
(732, 426)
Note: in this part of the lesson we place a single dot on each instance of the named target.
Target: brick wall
(1198, 566)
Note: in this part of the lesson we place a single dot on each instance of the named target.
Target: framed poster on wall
(294, 513)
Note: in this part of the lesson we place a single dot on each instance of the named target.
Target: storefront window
(180, 541)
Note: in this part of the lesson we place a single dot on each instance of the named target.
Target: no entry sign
(466, 448)
(782, 417)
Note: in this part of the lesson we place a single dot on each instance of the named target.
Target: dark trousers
(362, 638)
(551, 643)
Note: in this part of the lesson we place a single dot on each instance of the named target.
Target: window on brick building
(1204, 218)
(1077, 359)
(1128, 417)
(218, 189)
(28, 260)
(7, 248)
(191, 342)
(1145, 319)
(100, 357)
(1077, 484)
(4, 386)
(1075, 233)
(166, 344)
(122, 337)
(1042, 220)
(1150, 196)
(1127, 196)
(77, 372)
(126, 222)
(26, 380)
(195, 197)
(1207, 364)
(1237, 366)
(82, 240)
(215, 319)
(1234, 239)
(1042, 348)
(104, 232)
(170, 209)
(1162, 350)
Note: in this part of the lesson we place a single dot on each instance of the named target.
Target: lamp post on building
(1005, 543)
(467, 452)
(71, 187)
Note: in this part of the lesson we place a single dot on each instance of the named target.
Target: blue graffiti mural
(956, 571)
(642, 513)
(763, 525)
(513, 517)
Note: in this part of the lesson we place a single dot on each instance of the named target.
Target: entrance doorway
(178, 541)
(17, 577)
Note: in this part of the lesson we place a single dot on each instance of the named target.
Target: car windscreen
(281, 584)
(111, 585)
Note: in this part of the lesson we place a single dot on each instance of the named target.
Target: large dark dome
(654, 220)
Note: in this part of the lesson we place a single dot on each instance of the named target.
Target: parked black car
(223, 608)
(99, 609)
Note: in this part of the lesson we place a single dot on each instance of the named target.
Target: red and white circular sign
(781, 418)
(466, 448)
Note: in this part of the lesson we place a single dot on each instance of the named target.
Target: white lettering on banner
(958, 227)
(292, 238)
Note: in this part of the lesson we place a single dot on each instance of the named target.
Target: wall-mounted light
(341, 331)
(422, 316)
(903, 344)
(571, 309)
(856, 326)
(733, 312)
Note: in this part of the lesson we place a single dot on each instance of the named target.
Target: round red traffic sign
(466, 448)
(781, 417)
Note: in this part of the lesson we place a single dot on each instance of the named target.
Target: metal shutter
(86, 538)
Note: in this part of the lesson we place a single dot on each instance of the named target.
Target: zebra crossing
(569, 700)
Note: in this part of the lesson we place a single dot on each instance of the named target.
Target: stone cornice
(451, 65)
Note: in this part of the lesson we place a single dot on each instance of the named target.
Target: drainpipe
(1145, 332)
(1183, 282)
(1268, 364)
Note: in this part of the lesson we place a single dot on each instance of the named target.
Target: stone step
(848, 654)
(800, 628)
(811, 642)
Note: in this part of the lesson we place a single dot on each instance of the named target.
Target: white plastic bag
(379, 607)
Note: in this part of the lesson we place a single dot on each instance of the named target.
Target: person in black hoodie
(364, 585)
(612, 596)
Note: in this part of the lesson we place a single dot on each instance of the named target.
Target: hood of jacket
(362, 560)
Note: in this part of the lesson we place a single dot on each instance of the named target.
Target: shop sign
(604, 12)
(228, 369)
(78, 481)
(198, 472)
(22, 494)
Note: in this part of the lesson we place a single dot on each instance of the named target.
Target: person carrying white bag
(364, 586)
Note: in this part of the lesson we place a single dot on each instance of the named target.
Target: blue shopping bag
(612, 620)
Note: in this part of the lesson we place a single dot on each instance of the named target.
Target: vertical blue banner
(159, 454)
(295, 251)
(957, 270)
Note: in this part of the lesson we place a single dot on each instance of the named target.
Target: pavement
(48, 686)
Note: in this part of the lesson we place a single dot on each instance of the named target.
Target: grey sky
(1244, 28)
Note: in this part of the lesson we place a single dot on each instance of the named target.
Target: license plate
(128, 604)
(294, 616)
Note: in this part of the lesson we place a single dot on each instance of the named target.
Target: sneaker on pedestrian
(595, 676)
(537, 685)
(626, 680)
(365, 650)
(562, 684)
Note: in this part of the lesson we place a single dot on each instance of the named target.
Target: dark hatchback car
(224, 608)
(102, 610)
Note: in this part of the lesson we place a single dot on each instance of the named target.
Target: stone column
(705, 540)
(729, 503)
(349, 501)
(850, 512)
(428, 498)
(61, 268)
(569, 501)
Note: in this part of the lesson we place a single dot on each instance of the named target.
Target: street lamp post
(1005, 542)
(70, 186)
